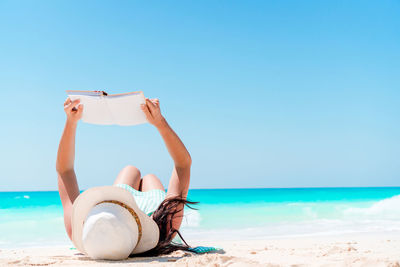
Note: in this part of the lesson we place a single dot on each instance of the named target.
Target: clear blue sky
(263, 93)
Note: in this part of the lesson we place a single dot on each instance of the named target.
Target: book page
(125, 108)
(95, 108)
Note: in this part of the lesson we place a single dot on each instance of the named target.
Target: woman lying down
(133, 216)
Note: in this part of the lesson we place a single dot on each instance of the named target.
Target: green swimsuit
(147, 201)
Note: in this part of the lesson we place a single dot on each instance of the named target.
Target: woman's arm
(67, 183)
(180, 179)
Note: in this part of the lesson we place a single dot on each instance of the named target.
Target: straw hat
(107, 224)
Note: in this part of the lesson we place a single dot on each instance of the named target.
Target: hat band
(131, 211)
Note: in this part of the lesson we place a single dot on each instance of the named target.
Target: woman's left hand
(152, 111)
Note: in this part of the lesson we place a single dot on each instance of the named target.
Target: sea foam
(388, 208)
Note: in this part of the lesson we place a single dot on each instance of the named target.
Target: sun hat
(107, 224)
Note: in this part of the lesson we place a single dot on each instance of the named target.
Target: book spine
(102, 93)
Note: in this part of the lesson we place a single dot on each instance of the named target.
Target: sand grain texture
(367, 250)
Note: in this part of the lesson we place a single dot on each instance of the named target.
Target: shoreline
(369, 249)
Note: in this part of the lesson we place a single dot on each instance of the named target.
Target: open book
(101, 108)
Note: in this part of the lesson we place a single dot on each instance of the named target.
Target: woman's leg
(129, 175)
(150, 182)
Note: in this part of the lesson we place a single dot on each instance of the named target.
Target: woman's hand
(152, 111)
(74, 114)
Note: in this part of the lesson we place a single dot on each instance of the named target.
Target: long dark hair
(163, 217)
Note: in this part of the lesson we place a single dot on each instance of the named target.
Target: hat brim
(93, 196)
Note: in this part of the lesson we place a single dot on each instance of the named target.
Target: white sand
(345, 250)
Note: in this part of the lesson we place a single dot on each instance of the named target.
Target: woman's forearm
(66, 149)
(176, 148)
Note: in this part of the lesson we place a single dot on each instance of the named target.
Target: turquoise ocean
(36, 218)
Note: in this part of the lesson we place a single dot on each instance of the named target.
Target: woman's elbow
(188, 162)
(62, 172)
(184, 163)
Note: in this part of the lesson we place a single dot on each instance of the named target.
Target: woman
(166, 209)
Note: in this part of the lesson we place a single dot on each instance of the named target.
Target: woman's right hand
(74, 114)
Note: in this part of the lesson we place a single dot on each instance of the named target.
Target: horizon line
(239, 188)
